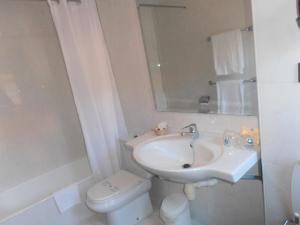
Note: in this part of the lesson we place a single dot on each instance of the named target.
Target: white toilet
(124, 196)
(175, 210)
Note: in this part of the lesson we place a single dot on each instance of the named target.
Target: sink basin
(172, 157)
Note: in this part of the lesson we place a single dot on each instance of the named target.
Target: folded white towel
(250, 99)
(230, 96)
(228, 53)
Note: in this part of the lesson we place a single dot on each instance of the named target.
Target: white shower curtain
(93, 85)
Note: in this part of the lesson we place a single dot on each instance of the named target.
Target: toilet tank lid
(296, 188)
(119, 184)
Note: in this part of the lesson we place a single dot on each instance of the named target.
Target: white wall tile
(277, 54)
(280, 122)
(277, 193)
(277, 45)
(280, 146)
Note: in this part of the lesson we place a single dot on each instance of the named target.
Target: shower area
(49, 139)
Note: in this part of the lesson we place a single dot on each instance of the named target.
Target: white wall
(277, 39)
(123, 35)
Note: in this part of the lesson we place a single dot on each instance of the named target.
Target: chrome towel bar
(250, 28)
(252, 80)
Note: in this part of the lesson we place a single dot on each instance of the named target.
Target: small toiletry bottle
(231, 138)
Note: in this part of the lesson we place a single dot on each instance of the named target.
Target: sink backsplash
(206, 123)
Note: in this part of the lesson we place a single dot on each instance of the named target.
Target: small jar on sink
(232, 138)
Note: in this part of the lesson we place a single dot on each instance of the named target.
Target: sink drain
(186, 166)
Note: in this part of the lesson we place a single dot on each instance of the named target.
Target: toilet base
(132, 213)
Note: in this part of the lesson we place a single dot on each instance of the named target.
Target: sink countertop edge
(140, 139)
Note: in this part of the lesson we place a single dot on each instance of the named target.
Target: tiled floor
(152, 220)
(95, 220)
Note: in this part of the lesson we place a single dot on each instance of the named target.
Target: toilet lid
(296, 188)
(114, 186)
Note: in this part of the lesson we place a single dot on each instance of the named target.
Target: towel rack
(78, 1)
(161, 6)
(252, 80)
(250, 28)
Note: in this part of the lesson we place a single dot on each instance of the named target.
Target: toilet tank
(128, 162)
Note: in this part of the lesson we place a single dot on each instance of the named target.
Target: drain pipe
(190, 189)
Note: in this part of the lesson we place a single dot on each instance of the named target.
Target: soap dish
(160, 131)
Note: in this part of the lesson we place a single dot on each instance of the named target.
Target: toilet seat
(116, 191)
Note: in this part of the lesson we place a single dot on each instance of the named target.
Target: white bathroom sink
(167, 157)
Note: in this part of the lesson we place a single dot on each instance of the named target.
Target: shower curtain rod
(252, 80)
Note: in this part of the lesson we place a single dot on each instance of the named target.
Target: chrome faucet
(192, 130)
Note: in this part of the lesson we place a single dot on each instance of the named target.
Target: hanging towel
(230, 96)
(250, 98)
(228, 53)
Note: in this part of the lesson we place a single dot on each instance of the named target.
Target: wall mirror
(200, 55)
